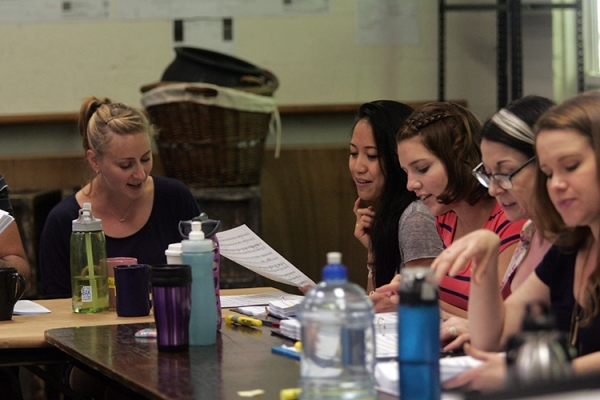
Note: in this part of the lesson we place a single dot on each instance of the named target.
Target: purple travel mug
(171, 297)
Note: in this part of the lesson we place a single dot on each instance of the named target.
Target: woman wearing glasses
(438, 147)
(565, 207)
(508, 170)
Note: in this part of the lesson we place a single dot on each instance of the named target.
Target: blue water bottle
(419, 335)
(198, 253)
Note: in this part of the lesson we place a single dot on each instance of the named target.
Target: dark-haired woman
(392, 224)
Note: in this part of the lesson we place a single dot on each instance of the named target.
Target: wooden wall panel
(307, 199)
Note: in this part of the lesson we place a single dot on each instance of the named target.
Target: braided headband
(513, 126)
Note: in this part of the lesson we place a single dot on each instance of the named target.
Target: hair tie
(513, 126)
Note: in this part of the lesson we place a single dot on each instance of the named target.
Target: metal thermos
(540, 352)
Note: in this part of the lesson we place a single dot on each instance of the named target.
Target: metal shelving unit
(509, 43)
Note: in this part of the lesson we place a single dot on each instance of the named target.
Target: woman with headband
(507, 170)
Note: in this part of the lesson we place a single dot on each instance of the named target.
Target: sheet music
(244, 247)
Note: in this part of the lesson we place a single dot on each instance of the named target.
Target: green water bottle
(89, 277)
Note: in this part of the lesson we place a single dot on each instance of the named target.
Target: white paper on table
(387, 376)
(27, 307)
(244, 247)
(255, 299)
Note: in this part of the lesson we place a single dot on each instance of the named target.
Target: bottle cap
(196, 232)
(418, 286)
(334, 257)
(196, 242)
(334, 270)
(86, 221)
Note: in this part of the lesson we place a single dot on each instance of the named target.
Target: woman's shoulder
(416, 208)
(417, 217)
(165, 183)
(65, 211)
(67, 205)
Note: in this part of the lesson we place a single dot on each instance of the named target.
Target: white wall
(328, 68)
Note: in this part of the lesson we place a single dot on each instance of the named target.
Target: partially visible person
(438, 147)
(391, 223)
(12, 252)
(12, 255)
(140, 212)
(565, 207)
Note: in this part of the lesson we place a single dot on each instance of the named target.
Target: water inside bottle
(337, 361)
(90, 295)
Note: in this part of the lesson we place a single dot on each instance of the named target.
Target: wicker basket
(210, 136)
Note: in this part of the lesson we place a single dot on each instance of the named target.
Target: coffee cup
(173, 253)
(172, 298)
(132, 283)
(111, 263)
(12, 287)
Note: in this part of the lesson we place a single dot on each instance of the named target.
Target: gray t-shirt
(417, 234)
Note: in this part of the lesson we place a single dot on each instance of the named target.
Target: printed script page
(243, 246)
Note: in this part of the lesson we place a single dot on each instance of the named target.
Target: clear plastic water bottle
(89, 274)
(338, 344)
(419, 335)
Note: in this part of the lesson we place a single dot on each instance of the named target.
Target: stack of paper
(291, 328)
(284, 308)
(386, 335)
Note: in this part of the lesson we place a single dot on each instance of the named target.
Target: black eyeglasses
(502, 180)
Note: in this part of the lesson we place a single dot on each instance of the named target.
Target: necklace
(121, 220)
(577, 312)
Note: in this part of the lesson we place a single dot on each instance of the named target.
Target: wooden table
(240, 361)
(27, 331)
(22, 341)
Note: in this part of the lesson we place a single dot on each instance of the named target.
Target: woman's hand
(364, 218)
(388, 292)
(454, 332)
(304, 289)
(480, 247)
(490, 375)
(382, 303)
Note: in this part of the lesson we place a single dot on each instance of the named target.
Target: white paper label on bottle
(86, 293)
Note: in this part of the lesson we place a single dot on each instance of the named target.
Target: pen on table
(281, 335)
(241, 320)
